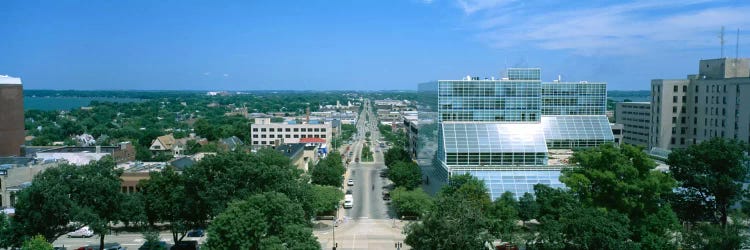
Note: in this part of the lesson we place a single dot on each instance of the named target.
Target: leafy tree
(217, 180)
(82, 194)
(329, 171)
(95, 190)
(527, 207)
(623, 179)
(405, 174)
(36, 243)
(395, 154)
(326, 198)
(454, 223)
(566, 223)
(132, 209)
(710, 176)
(165, 200)
(714, 236)
(411, 202)
(263, 221)
(503, 216)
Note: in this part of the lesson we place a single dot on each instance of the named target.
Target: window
(723, 111)
(255, 142)
(255, 129)
(696, 99)
(674, 109)
(682, 120)
(682, 109)
(288, 136)
(288, 130)
(696, 89)
(323, 130)
(675, 88)
(271, 136)
(674, 120)
(671, 141)
(684, 88)
(695, 110)
(695, 131)
(270, 130)
(725, 90)
(296, 129)
(255, 136)
(724, 99)
(674, 99)
(683, 130)
(695, 120)
(263, 130)
(684, 99)
(674, 130)
(682, 141)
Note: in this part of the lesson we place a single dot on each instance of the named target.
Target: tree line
(245, 200)
(615, 199)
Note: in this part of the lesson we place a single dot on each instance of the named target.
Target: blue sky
(357, 45)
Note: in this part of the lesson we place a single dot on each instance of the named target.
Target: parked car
(350, 182)
(348, 191)
(162, 244)
(386, 197)
(107, 246)
(196, 233)
(84, 232)
(186, 245)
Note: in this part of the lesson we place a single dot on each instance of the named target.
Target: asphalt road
(368, 185)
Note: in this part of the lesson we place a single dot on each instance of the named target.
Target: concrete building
(12, 130)
(617, 132)
(635, 118)
(712, 103)
(266, 133)
(515, 132)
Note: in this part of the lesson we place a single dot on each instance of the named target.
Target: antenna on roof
(721, 39)
(737, 49)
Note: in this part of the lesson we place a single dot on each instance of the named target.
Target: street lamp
(335, 220)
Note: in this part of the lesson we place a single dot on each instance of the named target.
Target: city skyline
(317, 45)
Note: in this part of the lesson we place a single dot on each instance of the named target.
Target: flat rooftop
(6, 79)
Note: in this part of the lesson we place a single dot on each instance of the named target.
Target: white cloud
(226, 75)
(630, 27)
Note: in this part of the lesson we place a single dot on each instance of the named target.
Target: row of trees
(260, 194)
(615, 200)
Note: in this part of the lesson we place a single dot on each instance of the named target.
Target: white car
(350, 182)
(84, 232)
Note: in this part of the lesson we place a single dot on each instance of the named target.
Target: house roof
(232, 142)
(312, 140)
(182, 163)
(167, 140)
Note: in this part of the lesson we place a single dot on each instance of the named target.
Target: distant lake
(67, 103)
(631, 98)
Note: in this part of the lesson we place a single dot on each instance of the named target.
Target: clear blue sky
(360, 45)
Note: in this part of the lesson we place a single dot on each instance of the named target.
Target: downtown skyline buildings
(514, 132)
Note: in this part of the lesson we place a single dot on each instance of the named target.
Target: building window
(696, 99)
(296, 136)
(675, 88)
(263, 130)
(682, 109)
(682, 141)
(296, 129)
(674, 109)
(288, 136)
(684, 99)
(270, 130)
(255, 136)
(695, 131)
(695, 120)
(724, 99)
(695, 110)
(674, 99)
(671, 141)
(674, 120)
(684, 88)
(725, 90)
(323, 130)
(255, 142)
(683, 130)
(696, 89)
(255, 129)
(682, 120)
(674, 130)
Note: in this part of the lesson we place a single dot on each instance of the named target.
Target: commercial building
(635, 118)
(266, 133)
(515, 132)
(712, 103)
(12, 130)
(16, 173)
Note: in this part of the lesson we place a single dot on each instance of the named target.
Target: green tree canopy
(411, 202)
(326, 198)
(262, 221)
(710, 176)
(36, 243)
(405, 174)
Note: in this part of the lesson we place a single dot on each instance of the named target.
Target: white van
(348, 201)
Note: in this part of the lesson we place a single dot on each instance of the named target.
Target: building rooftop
(312, 140)
(6, 79)
(92, 149)
(291, 150)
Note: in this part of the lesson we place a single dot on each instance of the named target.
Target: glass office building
(513, 132)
